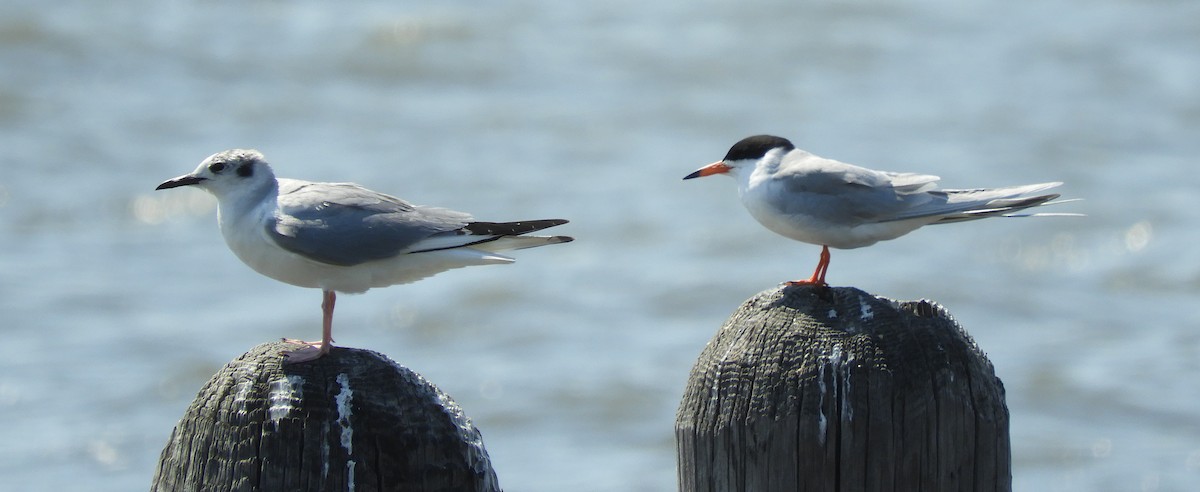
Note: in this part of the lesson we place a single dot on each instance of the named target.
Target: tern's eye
(216, 167)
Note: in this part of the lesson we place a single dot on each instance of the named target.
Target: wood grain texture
(833, 389)
(352, 420)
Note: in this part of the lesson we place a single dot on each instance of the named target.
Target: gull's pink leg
(328, 299)
(818, 276)
(314, 350)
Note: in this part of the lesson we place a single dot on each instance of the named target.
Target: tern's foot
(309, 352)
(809, 282)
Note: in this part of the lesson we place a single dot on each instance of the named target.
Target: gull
(341, 237)
(837, 205)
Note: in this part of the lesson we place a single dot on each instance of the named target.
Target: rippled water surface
(118, 302)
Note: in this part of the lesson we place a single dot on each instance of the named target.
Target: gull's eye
(216, 167)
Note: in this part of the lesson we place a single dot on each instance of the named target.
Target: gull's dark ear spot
(246, 170)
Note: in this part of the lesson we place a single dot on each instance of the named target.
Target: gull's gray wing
(345, 224)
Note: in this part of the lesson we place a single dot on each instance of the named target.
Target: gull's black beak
(185, 180)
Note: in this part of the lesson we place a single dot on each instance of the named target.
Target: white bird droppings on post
(243, 387)
(343, 398)
(282, 395)
(867, 313)
(823, 420)
(343, 407)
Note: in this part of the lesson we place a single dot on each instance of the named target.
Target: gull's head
(745, 155)
(230, 173)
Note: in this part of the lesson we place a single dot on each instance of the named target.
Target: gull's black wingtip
(511, 228)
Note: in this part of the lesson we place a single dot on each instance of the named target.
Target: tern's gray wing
(345, 224)
(847, 193)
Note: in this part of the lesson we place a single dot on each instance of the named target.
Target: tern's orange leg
(818, 276)
(314, 350)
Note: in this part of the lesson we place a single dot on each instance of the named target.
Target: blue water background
(117, 302)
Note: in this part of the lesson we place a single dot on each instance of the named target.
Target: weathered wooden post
(833, 389)
(350, 421)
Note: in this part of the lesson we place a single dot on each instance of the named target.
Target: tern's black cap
(756, 147)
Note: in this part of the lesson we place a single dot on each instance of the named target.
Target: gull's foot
(309, 352)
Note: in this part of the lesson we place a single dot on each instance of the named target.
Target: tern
(837, 205)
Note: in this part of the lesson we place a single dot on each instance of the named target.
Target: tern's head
(746, 154)
(234, 172)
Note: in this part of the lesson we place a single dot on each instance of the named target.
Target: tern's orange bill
(718, 167)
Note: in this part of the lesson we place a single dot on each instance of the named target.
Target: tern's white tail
(961, 205)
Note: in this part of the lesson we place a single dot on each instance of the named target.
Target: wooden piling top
(351, 420)
(808, 388)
